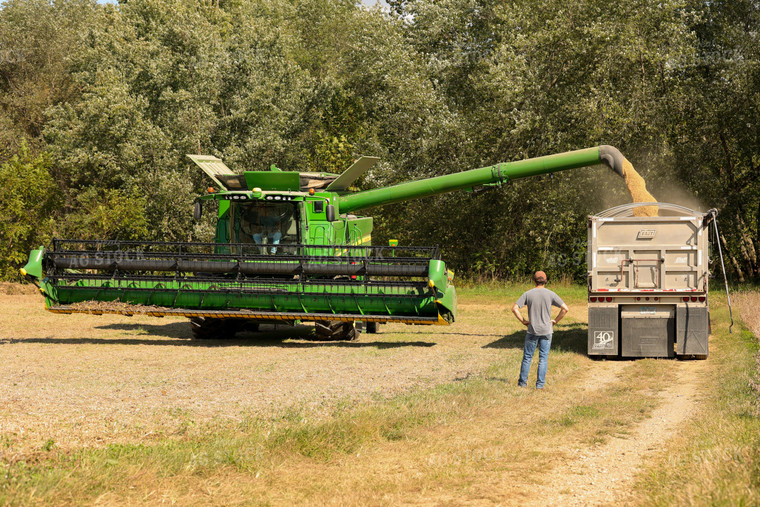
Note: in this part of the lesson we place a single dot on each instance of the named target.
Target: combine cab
(288, 248)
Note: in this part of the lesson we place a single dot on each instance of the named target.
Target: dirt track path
(603, 474)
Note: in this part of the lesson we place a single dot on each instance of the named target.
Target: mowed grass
(477, 439)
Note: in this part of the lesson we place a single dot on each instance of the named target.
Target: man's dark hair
(539, 278)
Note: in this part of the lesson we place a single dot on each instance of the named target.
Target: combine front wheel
(331, 330)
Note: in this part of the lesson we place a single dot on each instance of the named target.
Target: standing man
(540, 301)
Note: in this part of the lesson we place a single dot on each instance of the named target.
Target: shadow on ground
(437, 331)
(243, 340)
(305, 332)
(570, 338)
(170, 330)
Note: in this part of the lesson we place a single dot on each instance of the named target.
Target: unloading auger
(288, 248)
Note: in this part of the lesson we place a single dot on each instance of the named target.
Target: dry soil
(84, 380)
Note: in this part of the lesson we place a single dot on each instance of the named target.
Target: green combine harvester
(288, 248)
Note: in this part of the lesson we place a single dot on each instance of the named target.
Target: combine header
(288, 248)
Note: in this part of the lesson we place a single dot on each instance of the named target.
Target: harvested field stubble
(111, 307)
(458, 432)
(748, 304)
(92, 380)
(17, 289)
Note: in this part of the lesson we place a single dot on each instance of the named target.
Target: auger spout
(494, 174)
(612, 158)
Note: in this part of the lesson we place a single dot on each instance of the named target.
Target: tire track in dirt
(604, 374)
(604, 474)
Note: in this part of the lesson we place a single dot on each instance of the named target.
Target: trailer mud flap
(647, 331)
(692, 330)
(603, 331)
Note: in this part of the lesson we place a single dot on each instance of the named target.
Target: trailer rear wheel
(204, 328)
(332, 330)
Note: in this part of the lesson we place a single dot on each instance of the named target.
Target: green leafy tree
(36, 37)
(533, 78)
(28, 202)
(108, 213)
(712, 121)
(112, 97)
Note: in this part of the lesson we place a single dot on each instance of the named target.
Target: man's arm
(562, 312)
(516, 312)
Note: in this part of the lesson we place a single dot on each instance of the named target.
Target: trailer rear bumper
(665, 330)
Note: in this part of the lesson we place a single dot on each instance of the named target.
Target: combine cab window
(266, 224)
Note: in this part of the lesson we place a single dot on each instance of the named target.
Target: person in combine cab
(540, 301)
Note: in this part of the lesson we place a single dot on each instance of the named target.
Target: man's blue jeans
(544, 343)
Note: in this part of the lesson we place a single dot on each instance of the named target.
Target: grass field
(112, 410)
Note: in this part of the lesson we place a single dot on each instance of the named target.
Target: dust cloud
(674, 192)
(638, 189)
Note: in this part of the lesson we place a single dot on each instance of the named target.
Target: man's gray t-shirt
(540, 301)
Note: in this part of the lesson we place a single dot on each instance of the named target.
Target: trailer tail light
(647, 298)
(638, 299)
(592, 299)
(693, 299)
(702, 299)
(685, 298)
(608, 299)
(656, 298)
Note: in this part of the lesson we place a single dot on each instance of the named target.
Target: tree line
(99, 104)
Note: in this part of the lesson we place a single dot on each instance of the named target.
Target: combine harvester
(288, 248)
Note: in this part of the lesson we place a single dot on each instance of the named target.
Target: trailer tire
(334, 330)
(371, 327)
(204, 328)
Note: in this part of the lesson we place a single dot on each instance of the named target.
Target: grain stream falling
(638, 189)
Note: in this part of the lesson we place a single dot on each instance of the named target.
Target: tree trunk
(747, 245)
(734, 262)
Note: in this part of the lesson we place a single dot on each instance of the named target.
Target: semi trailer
(648, 279)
